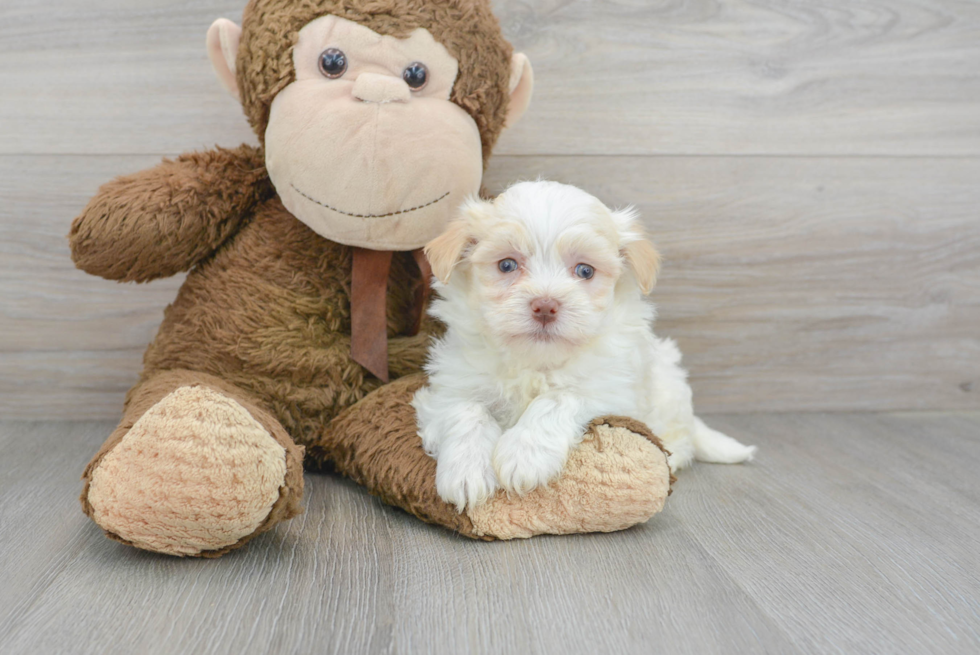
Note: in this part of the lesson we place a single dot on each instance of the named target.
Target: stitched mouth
(340, 211)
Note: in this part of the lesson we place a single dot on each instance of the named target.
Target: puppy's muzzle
(545, 310)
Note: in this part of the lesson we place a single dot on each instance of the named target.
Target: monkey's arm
(165, 219)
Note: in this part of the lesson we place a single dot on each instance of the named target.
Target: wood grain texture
(879, 77)
(850, 533)
(895, 77)
(70, 343)
(872, 513)
(807, 283)
(810, 171)
(818, 280)
(790, 283)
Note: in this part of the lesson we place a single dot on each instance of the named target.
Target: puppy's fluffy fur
(542, 292)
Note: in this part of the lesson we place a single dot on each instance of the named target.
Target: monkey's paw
(617, 477)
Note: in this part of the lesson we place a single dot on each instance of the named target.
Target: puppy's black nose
(544, 310)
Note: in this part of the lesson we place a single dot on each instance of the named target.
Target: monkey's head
(377, 116)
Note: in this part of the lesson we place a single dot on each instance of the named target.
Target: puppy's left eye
(507, 265)
(584, 271)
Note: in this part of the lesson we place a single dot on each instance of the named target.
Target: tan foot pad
(195, 473)
(613, 480)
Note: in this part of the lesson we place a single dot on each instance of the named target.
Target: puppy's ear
(445, 251)
(640, 253)
(643, 258)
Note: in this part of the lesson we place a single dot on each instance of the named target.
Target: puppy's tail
(713, 446)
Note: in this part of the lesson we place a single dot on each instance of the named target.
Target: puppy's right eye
(507, 265)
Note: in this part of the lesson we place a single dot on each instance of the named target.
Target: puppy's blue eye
(584, 271)
(507, 265)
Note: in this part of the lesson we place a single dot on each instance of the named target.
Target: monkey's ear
(521, 86)
(223, 38)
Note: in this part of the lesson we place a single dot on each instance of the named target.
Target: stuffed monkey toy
(306, 290)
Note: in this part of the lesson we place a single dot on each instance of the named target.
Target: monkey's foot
(616, 478)
(196, 474)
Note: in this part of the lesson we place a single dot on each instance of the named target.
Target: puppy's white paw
(465, 479)
(524, 460)
(678, 461)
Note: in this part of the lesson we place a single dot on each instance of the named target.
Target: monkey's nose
(544, 310)
(373, 87)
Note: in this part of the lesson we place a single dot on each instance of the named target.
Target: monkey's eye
(584, 271)
(416, 76)
(333, 63)
(507, 265)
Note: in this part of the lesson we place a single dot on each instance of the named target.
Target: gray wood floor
(810, 172)
(852, 533)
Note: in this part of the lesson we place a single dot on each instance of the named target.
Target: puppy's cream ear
(644, 259)
(640, 253)
(445, 251)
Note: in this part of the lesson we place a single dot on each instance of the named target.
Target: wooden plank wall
(811, 172)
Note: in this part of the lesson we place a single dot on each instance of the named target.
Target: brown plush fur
(267, 307)
(270, 313)
(264, 314)
(375, 443)
(161, 222)
(467, 28)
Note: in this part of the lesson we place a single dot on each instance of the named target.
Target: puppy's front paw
(465, 480)
(525, 460)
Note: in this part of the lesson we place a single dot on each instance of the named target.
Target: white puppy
(542, 292)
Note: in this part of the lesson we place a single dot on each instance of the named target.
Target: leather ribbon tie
(369, 303)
